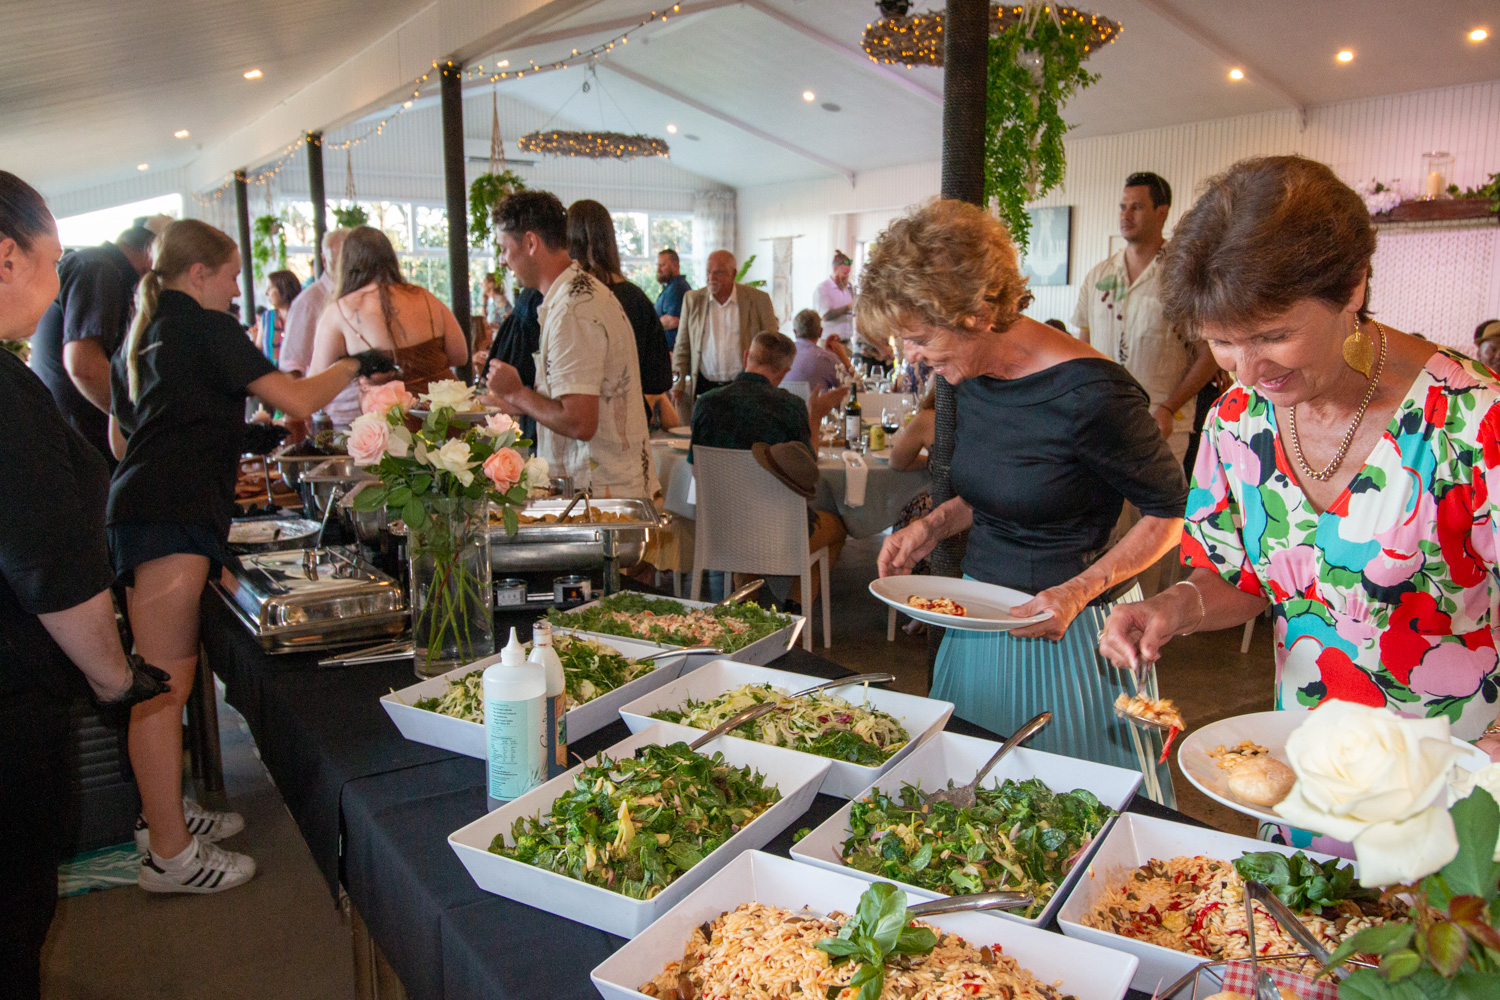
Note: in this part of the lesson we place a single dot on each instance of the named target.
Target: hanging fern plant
(268, 241)
(1035, 68)
(350, 216)
(487, 191)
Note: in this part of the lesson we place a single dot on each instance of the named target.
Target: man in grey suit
(718, 323)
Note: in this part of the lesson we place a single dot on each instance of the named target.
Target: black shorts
(134, 543)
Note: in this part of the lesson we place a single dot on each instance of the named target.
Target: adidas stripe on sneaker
(209, 869)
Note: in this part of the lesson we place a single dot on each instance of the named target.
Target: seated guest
(718, 323)
(753, 410)
(377, 309)
(814, 365)
(591, 242)
(591, 419)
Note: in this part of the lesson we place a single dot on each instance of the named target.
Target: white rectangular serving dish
(467, 738)
(1084, 970)
(796, 775)
(920, 717)
(1134, 841)
(759, 652)
(949, 755)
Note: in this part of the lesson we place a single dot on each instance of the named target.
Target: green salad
(1020, 836)
(817, 723)
(632, 825)
(671, 623)
(590, 668)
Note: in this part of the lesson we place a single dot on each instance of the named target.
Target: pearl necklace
(1338, 458)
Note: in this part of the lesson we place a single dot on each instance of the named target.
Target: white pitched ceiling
(91, 88)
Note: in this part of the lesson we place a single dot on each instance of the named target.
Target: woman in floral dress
(1346, 478)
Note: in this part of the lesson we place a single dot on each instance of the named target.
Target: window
(641, 235)
(92, 228)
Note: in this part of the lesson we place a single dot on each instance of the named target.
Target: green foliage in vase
(1035, 67)
(744, 270)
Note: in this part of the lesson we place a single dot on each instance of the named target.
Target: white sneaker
(205, 824)
(213, 869)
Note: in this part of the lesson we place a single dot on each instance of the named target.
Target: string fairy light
(596, 145)
(917, 39)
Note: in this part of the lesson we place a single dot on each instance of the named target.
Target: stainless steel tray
(281, 533)
(541, 547)
(313, 599)
(759, 653)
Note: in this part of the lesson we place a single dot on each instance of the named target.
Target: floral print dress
(1392, 595)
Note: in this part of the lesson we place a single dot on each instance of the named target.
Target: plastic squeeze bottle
(514, 716)
(544, 654)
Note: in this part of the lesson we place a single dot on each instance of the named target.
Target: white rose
(449, 392)
(452, 457)
(535, 474)
(497, 425)
(1488, 778)
(1379, 781)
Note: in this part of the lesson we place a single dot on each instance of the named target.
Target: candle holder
(1437, 169)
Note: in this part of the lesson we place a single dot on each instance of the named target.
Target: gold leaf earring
(1359, 351)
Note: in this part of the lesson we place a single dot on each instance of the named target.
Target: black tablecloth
(376, 811)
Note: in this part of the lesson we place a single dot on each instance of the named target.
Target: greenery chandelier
(596, 145)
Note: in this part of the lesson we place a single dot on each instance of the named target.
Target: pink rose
(499, 424)
(368, 437)
(503, 467)
(382, 397)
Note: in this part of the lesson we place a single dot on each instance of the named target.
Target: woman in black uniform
(54, 596)
(178, 388)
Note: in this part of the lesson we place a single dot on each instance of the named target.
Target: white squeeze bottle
(543, 653)
(514, 716)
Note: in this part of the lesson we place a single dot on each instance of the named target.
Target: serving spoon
(963, 797)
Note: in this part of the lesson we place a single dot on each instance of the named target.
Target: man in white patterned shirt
(591, 417)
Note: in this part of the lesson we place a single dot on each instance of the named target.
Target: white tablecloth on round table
(886, 490)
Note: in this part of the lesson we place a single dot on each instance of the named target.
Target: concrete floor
(281, 936)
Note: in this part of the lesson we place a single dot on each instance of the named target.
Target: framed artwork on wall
(1047, 260)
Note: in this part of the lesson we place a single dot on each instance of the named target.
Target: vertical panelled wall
(1437, 282)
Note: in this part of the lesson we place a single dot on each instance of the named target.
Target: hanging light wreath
(917, 39)
(596, 145)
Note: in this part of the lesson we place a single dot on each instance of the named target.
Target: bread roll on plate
(1261, 781)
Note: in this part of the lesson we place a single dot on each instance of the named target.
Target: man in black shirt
(752, 409)
(80, 332)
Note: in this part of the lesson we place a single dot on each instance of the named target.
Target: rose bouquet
(442, 487)
(1383, 782)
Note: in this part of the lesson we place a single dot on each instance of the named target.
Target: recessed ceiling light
(253, 74)
(672, 129)
(181, 133)
(830, 106)
(1236, 74)
(1345, 55)
(808, 95)
(143, 166)
(407, 104)
(1478, 35)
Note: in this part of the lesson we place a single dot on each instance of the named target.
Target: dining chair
(748, 521)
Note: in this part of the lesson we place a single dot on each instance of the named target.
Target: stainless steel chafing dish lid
(295, 589)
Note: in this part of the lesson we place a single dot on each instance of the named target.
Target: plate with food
(954, 603)
(479, 415)
(761, 918)
(683, 432)
(864, 730)
(621, 838)
(746, 632)
(1037, 819)
(1173, 896)
(1241, 761)
(602, 673)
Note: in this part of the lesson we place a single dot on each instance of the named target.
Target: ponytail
(146, 294)
(182, 244)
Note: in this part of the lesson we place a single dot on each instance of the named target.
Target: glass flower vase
(451, 600)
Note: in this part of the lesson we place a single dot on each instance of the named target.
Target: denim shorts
(134, 543)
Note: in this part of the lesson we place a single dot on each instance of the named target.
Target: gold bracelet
(1493, 729)
(1202, 608)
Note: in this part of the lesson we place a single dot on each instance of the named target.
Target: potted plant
(351, 215)
(267, 241)
(487, 191)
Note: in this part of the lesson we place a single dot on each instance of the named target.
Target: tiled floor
(280, 935)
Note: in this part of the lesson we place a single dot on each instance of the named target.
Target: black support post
(966, 39)
(319, 198)
(456, 187)
(247, 262)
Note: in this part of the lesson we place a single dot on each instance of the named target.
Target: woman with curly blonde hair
(1052, 438)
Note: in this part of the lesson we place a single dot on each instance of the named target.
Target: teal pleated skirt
(998, 681)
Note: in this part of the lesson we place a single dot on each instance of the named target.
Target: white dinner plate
(475, 417)
(1270, 730)
(988, 605)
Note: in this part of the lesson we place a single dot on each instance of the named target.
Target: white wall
(1439, 283)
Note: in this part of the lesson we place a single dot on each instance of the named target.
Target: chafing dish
(542, 547)
(312, 599)
(271, 534)
(332, 477)
(292, 459)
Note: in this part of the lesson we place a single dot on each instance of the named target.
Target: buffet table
(376, 810)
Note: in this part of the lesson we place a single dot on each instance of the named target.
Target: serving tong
(766, 707)
(1003, 899)
(1143, 681)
